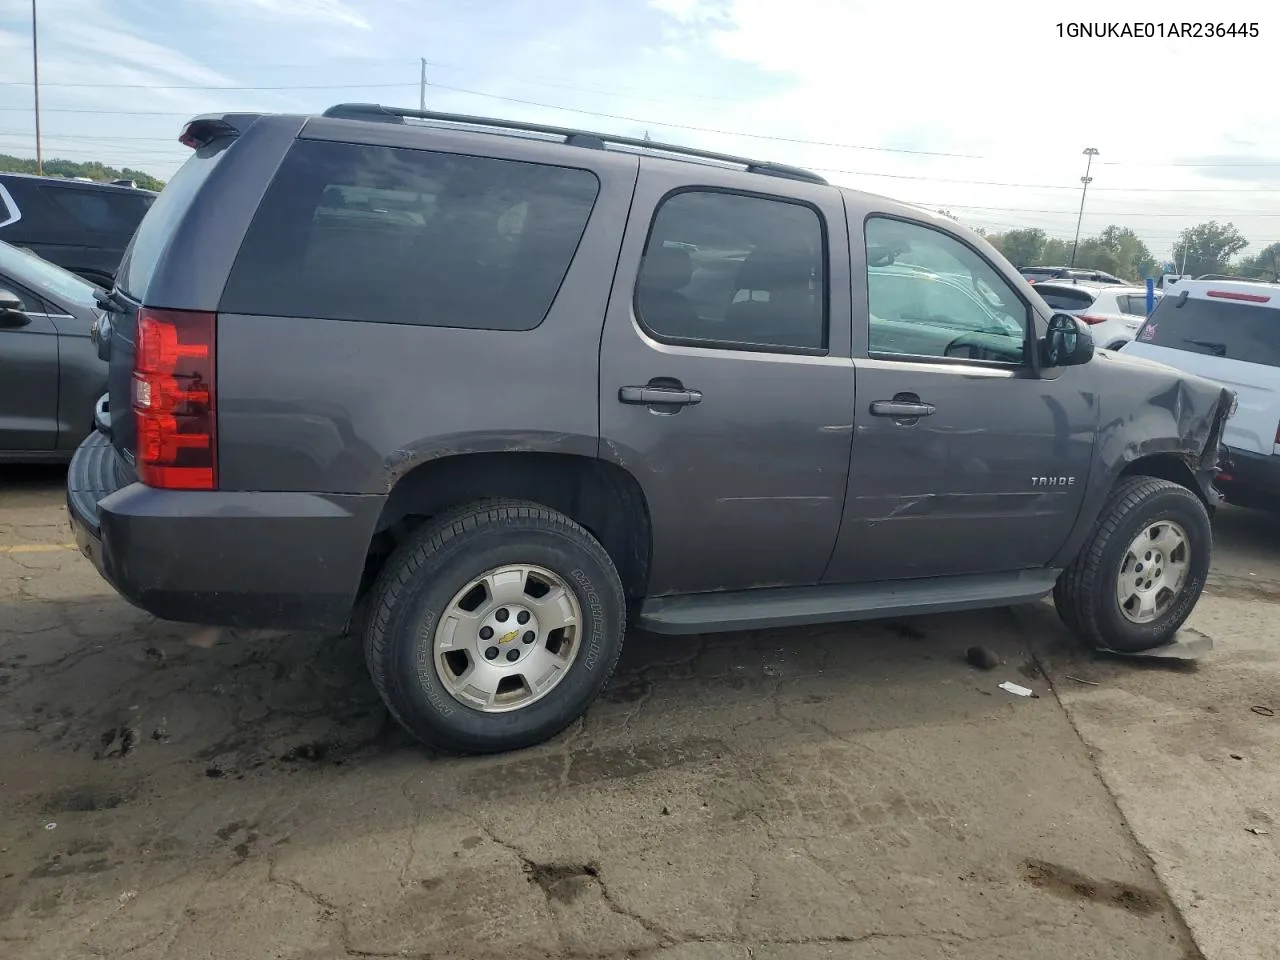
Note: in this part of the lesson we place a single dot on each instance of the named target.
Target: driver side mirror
(11, 314)
(1066, 344)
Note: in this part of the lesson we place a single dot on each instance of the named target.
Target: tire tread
(428, 542)
(1076, 589)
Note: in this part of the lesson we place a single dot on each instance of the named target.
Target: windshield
(44, 277)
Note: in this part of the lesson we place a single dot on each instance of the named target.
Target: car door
(726, 384)
(966, 459)
(28, 375)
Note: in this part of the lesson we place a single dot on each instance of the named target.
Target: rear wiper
(1219, 349)
(110, 301)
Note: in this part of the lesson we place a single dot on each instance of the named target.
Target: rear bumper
(228, 558)
(1250, 479)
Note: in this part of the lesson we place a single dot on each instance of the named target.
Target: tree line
(1210, 247)
(72, 168)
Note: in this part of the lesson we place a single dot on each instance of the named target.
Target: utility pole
(1089, 152)
(422, 86)
(35, 73)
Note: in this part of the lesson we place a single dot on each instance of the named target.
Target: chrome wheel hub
(508, 638)
(1153, 571)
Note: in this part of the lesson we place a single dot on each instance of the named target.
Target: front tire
(494, 627)
(1142, 569)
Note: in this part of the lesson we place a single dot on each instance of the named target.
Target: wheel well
(604, 498)
(1165, 466)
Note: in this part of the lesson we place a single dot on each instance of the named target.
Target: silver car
(50, 373)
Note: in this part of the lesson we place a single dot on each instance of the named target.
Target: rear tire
(1140, 573)
(437, 640)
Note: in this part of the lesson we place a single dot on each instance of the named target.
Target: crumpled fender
(1148, 409)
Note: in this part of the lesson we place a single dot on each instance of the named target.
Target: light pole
(1089, 152)
(35, 73)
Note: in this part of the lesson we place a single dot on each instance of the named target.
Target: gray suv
(488, 392)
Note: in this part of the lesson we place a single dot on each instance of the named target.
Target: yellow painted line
(39, 548)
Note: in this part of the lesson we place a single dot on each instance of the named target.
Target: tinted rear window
(1231, 329)
(100, 211)
(1065, 298)
(156, 227)
(392, 235)
(1135, 304)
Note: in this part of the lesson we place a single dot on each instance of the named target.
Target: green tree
(1264, 265)
(1208, 247)
(1132, 257)
(74, 168)
(1056, 252)
(1023, 247)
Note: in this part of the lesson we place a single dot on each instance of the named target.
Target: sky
(983, 108)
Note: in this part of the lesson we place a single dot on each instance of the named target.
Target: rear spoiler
(203, 130)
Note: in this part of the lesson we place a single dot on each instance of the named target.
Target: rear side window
(1218, 328)
(100, 211)
(148, 242)
(730, 270)
(392, 235)
(1065, 298)
(8, 209)
(1135, 305)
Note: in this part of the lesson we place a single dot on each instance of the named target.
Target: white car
(1228, 331)
(1113, 312)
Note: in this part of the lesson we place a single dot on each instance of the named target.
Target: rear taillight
(1090, 318)
(173, 399)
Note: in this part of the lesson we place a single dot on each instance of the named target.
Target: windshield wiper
(1219, 349)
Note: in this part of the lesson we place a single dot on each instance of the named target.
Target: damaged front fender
(1152, 418)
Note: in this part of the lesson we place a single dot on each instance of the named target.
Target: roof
(81, 184)
(1248, 291)
(1094, 286)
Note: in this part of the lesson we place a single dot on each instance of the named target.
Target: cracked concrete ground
(846, 792)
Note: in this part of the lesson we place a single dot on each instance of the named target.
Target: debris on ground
(1258, 831)
(1017, 689)
(1263, 711)
(982, 658)
(1187, 644)
(1092, 683)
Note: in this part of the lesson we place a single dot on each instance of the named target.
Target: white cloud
(320, 11)
(994, 78)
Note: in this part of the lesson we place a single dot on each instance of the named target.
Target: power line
(1050, 186)
(1096, 213)
(552, 106)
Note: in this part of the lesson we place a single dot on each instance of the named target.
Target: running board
(834, 603)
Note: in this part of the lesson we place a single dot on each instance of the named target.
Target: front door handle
(659, 396)
(901, 409)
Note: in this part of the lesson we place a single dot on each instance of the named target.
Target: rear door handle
(649, 395)
(901, 409)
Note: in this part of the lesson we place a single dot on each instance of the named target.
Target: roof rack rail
(576, 138)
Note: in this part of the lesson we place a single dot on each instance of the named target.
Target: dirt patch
(562, 882)
(1065, 882)
(85, 799)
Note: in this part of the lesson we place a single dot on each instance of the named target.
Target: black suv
(81, 226)
(487, 392)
